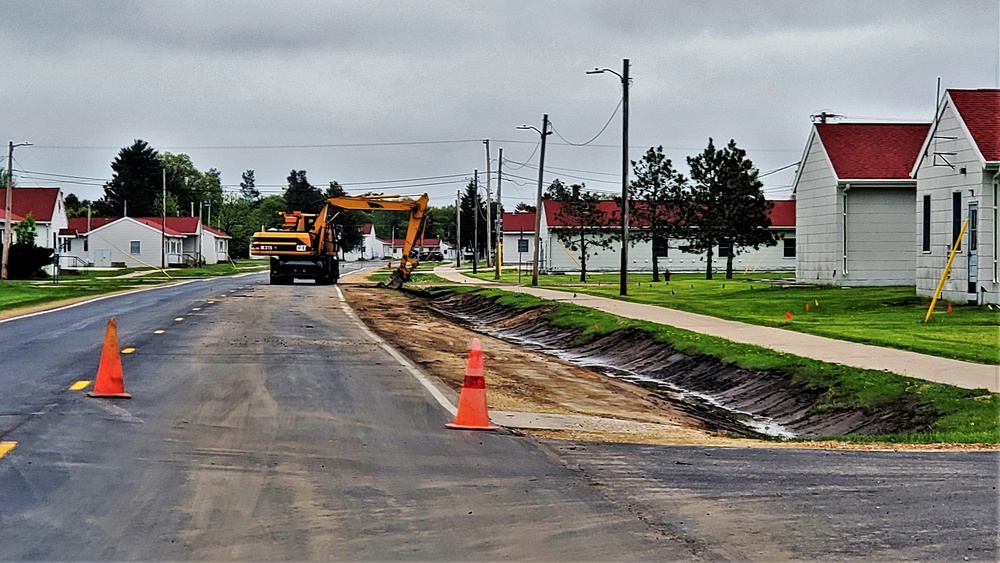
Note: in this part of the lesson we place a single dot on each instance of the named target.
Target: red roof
(980, 110)
(783, 213)
(157, 223)
(427, 242)
(609, 209)
(79, 224)
(175, 225)
(515, 222)
(39, 202)
(873, 151)
(366, 229)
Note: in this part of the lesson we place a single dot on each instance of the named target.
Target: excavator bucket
(395, 281)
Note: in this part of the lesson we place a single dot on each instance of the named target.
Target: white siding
(940, 181)
(111, 244)
(818, 218)
(880, 236)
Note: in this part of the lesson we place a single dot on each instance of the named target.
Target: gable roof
(39, 202)
(872, 151)
(609, 211)
(175, 225)
(516, 222)
(366, 229)
(980, 110)
(157, 224)
(783, 213)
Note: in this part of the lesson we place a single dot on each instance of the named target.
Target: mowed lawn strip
(882, 316)
(955, 415)
(16, 294)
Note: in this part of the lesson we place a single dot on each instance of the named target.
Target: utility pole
(163, 224)
(623, 288)
(538, 201)
(499, 260)
(7, 220)
(623, 281)
(458, 229)
(475, 223)
(489, 200)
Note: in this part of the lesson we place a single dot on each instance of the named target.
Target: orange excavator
(306, 244)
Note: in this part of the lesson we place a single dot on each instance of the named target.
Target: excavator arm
(418, 213)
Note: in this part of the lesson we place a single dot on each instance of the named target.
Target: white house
(371, 246)
(957, 175)
(45, 205)
(518, 246)
(136, 241)
(855, 204)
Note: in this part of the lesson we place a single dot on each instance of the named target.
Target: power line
(277, 147)
(599, 133)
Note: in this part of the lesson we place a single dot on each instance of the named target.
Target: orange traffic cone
(472, 413)
(109, 381)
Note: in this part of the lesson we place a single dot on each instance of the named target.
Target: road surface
(267, 424)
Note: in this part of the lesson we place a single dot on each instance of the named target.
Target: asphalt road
(268, 425)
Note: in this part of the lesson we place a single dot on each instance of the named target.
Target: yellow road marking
(6, 447)
(178, 319)
(79, 385)
(128, 350)
(196, 309)
(159, 331)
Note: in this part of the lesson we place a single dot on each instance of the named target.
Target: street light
(7, 211)
(538, 199)
(623, 284)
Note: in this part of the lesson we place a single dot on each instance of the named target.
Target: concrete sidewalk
(921, 366)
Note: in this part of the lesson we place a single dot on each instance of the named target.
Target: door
(102, 258)
(973, 249)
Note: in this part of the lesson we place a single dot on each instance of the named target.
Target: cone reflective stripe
(472, 412)
(109, 382)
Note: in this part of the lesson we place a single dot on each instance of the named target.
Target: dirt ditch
(722, 396)
(535, 367)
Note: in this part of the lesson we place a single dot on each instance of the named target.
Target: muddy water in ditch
(724, 397)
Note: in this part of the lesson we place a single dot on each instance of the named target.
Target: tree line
(721, 204)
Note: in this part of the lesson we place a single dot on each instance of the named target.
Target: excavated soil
(532, 366)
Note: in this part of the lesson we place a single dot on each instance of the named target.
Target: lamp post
(623, 283)
(7, 208)
(538, 199)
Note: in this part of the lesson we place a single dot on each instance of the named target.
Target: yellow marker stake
(79, 385)
(159, 331)
(128, 350)
(178, 319)
(6, 447)
(196, 309)
(210, 302)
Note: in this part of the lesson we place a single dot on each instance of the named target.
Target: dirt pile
(722, 396)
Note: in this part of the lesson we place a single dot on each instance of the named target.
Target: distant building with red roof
(45, 205)
(519, 229)
(107, 242)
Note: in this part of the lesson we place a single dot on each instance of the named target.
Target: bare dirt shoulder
(525, 381)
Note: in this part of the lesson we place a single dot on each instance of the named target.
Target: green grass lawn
(15, 294)
(959, 415)
(883, 316)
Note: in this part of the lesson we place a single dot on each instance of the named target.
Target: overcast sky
(417, 85)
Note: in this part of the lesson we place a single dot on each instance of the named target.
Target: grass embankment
(882, 316)
(29, 293)
(416, 278)
(958, 415)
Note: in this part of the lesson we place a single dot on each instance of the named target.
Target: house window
(133, 247)
(956, 219)
(86, 246)
(789, 249)
(926, 240)
(725, 248)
